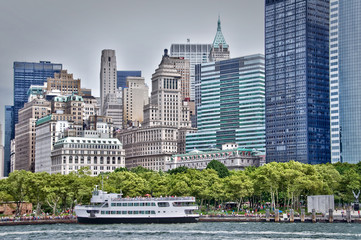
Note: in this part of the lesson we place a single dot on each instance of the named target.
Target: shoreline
(201, 219)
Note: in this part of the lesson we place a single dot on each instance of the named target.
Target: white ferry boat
(107, 208)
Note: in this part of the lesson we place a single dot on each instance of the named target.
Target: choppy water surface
(186, 231)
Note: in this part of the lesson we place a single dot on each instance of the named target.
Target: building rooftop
(219, 38)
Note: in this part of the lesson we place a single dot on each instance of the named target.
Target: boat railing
(155, 199)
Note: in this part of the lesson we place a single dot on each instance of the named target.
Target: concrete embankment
(35, 222)
(272, 219)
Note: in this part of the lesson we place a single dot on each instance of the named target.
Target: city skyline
(68, 33)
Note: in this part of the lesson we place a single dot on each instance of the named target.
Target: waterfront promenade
(338, 217)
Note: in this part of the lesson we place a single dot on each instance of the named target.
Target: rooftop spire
(219, 38)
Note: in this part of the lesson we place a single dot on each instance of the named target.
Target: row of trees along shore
(285, 184)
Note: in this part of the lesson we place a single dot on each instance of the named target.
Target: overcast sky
(73, 32)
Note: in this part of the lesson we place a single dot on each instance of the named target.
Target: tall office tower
(64, 83)
(122, 77)
(195, 53)
(9, 134)
(113, 107)
(166, 121)
(25, 133)
(345, 90)
(297, 81)
(27, 74)
(135, 97)
(220, 48)
(232, 105)
(108, 75)
(182, 66)
(1, 152)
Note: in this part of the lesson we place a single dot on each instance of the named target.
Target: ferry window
(130, 212)
(141, 212)
(130, 204)
(102, 212)
(163, 204)
(136, 204)
(107, 212)
(153, 204)
(119, 204)
(124, 204)
(124, 212)
(147, 204)
(114, 204)
(119, 212)
(158, 211)
(135, 212)
(141, 204)
(113, 212)
(147, 212)
(152, 212)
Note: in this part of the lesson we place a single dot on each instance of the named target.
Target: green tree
(17, 187)
(239, 186)
(181, 169)
(221, 169)
(36, 189)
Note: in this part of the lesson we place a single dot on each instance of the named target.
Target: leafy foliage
(221, 169)
(278, 183)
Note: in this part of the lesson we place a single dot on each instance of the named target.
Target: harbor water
(202, 230)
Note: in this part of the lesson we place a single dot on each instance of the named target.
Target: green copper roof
(219, 38)
(43, 120)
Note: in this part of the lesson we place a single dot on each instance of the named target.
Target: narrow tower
(108, 74)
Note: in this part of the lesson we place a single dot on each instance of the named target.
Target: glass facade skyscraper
(232, 106)
(345, 80)
(27, 74)
(297, 81)
(122, 77)
(9, 134)
(196, 54)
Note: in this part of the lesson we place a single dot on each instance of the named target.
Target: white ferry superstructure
(108, 208)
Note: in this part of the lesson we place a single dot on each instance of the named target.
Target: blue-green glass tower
(297, 81)
(345, 80)
(231, 104)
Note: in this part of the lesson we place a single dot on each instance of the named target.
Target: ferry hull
(85, 220)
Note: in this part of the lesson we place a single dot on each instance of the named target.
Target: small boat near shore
(109, 208)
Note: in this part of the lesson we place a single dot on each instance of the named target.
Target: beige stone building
(72, 105)
(135, 97)
(63, 82)
(166, 121)
(183, 68)
(99, 154)
(25, 133)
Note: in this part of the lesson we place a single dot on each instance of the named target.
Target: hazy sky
(73, 32)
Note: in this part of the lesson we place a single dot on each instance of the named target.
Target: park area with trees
(274, 184)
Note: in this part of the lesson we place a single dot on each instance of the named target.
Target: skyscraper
(232, 105)
(9, 134)
(166, 121)
(182, 66)
(27, 74)
(345, 89)
(108, 75)
(122, 77)
(195, 53)
(297, 81)
(1, 152)
(220, 48)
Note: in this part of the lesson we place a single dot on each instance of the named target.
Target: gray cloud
(73, 32)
